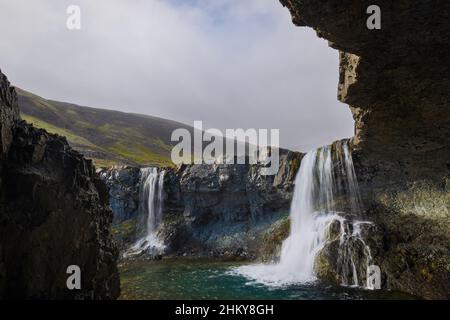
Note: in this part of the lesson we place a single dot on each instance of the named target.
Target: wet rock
(347, 253)
(272, 240)
(123, 184)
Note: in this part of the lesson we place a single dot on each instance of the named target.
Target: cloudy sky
(229, 63)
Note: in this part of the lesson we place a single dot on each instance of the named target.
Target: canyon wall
(53, 213)
(228, 209)
(210, 210)
(396, 81)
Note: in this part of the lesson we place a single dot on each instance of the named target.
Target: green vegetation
(125, 229)
(421, 199)
(72, 138)
(422, 214)
(105, 136)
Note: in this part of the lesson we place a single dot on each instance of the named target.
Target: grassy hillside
(108, 137)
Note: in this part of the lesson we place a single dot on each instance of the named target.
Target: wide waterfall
(326, 180)
(150, 212)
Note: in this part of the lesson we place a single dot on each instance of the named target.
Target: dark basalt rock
(227, 208)
(210, 210)
(123, 183)
(395, 80)
(397, 85)
(53, 213)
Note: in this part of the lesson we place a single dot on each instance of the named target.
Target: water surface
(206, 279)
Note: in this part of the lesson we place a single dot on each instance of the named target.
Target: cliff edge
(396, 83)
(53, 214)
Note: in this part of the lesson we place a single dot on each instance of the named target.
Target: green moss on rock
(273, 238)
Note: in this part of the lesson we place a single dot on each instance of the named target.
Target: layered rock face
(226, 209)
(123, 184)
(396, 82)
(53, 213)
(209, 210)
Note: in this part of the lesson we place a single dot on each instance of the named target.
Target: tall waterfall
(150, 212)
(150, 206)
(326, 176)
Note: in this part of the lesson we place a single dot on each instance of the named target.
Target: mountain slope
(108, 137)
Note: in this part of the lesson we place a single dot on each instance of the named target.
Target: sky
(229, 63)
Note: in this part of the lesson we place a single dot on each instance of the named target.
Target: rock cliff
(396, 82)
(53, 213)
(227, 209)
(209, 210)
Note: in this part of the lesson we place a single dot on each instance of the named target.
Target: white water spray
(312, 215)
(150, 210)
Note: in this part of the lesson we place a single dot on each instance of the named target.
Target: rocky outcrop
(396, 82)
(209, 210)
(123, 184)
(53, 214)
(226, 209)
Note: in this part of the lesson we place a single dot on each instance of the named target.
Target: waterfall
(150, 212)
(150, 207)
(326, 177)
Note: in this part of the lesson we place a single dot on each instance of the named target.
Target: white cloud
(230, 63)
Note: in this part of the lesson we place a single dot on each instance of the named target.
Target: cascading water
(326, 175)
(150, 211)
